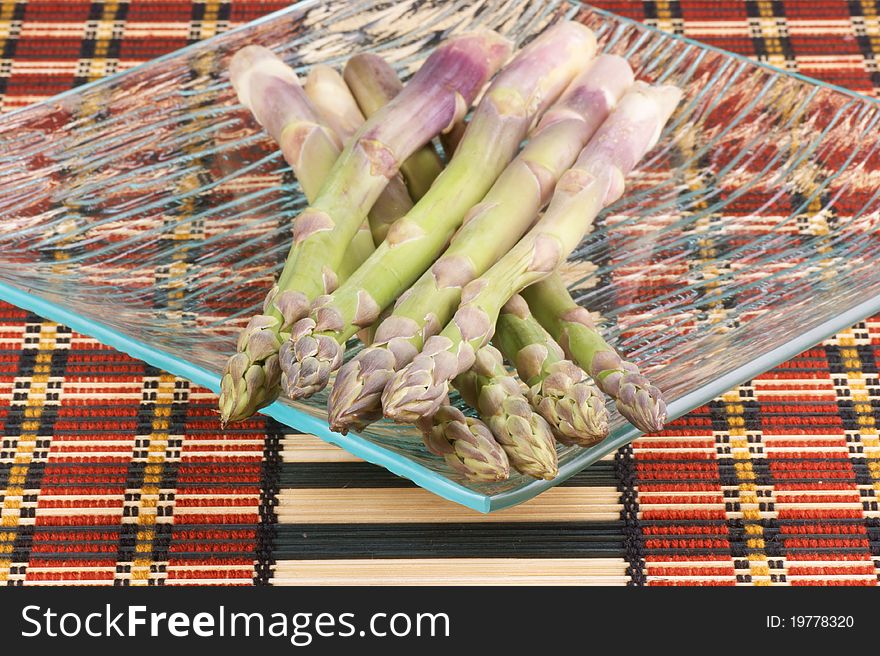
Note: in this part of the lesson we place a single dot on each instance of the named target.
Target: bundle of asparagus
(454, 246)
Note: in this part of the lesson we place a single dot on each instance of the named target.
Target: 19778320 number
(810, 622)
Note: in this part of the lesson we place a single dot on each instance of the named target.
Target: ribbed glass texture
(149, 210)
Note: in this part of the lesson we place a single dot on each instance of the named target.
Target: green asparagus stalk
(339, 109)
(490, 229)
(636, 398)
(271, 90)
(533, 80)
(559, 390)
(596, 180)
(374, 84)
(438, 95)
(501, 402)
(466, 444)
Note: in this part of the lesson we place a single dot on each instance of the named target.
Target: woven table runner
(113, 472)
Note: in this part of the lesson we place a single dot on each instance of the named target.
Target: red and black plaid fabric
(113, 472)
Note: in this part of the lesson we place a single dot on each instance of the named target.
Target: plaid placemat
(113, 472)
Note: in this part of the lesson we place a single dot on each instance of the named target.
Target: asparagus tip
(410, 396)
(419, 388)
(466, 444)
(529, 444)
(355, 398)
(643, 406)
(572, 404)
(307, 359)
(524, 435)
(637, 400)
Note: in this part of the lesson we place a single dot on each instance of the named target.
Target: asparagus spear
(466, 444)
(559, 390)
(491, 229)
(374, 83)
(538, 74)
(596, 179)
(500, 399)
(636, 398)
(438, 94)
(271, 90)
(338, 107)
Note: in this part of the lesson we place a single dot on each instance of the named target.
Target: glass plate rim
(360, 447)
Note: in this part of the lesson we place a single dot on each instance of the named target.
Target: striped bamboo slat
(463, 571)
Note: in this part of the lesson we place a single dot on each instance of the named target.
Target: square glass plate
(149, 211)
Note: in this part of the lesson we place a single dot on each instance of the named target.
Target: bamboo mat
(113, 472)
